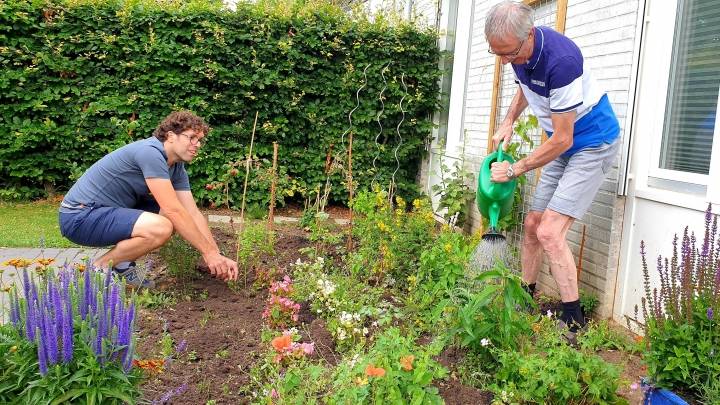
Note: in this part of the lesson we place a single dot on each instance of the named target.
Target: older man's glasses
(508, 55)
(194, 139)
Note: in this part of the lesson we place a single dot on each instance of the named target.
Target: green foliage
(599, 335)
(80, 78)
(155, 299)
(394, 371)
(454, 192)
(390, 239)
(490, 316)
(588, 302)
(181, 259)
(254, 240)
(561, 375)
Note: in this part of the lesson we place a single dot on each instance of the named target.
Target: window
(692, 97)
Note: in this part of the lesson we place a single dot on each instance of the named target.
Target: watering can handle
(499, 152)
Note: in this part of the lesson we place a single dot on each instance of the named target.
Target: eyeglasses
(511, 54)
(194, 139)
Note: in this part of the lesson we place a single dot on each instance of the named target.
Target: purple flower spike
(42, 359)
(182, 346)
(710, 314)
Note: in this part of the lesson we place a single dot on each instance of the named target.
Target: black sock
(529, 288)
(572, 315)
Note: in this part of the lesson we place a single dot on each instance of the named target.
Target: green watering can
(494, 200)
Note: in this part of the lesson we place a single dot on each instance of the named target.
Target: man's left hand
(498, 172)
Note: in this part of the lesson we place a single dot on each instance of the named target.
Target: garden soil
(222, 327)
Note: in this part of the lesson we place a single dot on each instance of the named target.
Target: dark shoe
(134, 277)
(569, 335)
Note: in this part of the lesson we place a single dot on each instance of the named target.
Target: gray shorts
(568, 185)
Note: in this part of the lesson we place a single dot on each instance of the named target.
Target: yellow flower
(400, 202)
(447, 247)
(13, 349)
(361, 381)
(381, 225)
(45, 262)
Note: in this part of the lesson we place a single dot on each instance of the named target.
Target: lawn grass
(24, 224)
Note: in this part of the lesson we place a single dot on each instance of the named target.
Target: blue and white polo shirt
(556, 80)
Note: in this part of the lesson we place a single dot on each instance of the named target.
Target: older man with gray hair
(554, 80)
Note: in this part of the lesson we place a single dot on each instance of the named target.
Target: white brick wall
(605, 32)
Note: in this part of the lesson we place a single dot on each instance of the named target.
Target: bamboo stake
(247, 174)
(271, 215)
(350, 189)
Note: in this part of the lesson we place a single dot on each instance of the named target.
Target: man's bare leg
(150, 232)
(531, 250)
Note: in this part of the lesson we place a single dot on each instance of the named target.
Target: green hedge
(79, 80)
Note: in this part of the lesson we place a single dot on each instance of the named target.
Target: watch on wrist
(510, 173)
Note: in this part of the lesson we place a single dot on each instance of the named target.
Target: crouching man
(135, 198)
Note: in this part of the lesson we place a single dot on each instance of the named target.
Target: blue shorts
(102, 226)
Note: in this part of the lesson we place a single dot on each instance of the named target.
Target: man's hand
(498, 172)
(504, 133)
(221, 267)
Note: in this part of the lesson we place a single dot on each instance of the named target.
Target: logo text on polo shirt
(538, 83)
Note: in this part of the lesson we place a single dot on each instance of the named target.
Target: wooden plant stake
(247, 174)
(350, 189)
(271, 214)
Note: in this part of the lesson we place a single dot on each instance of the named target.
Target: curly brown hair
(178, 122)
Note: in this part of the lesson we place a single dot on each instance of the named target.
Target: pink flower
(274, 394)
(634, 386)
(308, 348)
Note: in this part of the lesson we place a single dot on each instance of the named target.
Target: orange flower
(536, 327)
(17, 262)
(152, 365)
(407, 362)
(638, 338)
(282, 343)
(45, 262)
(372, 371)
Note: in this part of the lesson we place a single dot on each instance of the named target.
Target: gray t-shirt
(118, 179)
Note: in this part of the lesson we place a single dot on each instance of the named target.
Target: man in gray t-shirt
(135, 198)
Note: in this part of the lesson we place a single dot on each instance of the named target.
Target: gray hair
(509, 18)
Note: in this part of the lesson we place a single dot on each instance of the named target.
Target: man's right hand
(504, 133)
(221, 267)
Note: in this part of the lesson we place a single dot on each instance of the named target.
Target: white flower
(298, 262)
(365, 331)
(549, 313)
(484, 342)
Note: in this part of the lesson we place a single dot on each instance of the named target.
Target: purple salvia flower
(42, 359)
(15, 311)
(108, 278)
(710, 314)
(171, 393)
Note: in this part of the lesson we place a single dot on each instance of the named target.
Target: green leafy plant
(155, 299)
(454, 191)
(490, 315)
(181, 259)
(395, 370)
(599, 335)
(254, 240)
(588, 302)
(560, 375)
(682, 333)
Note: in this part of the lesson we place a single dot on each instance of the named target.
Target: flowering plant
(70, 339)
(281, 311)
(682, 334)
(287, 347)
